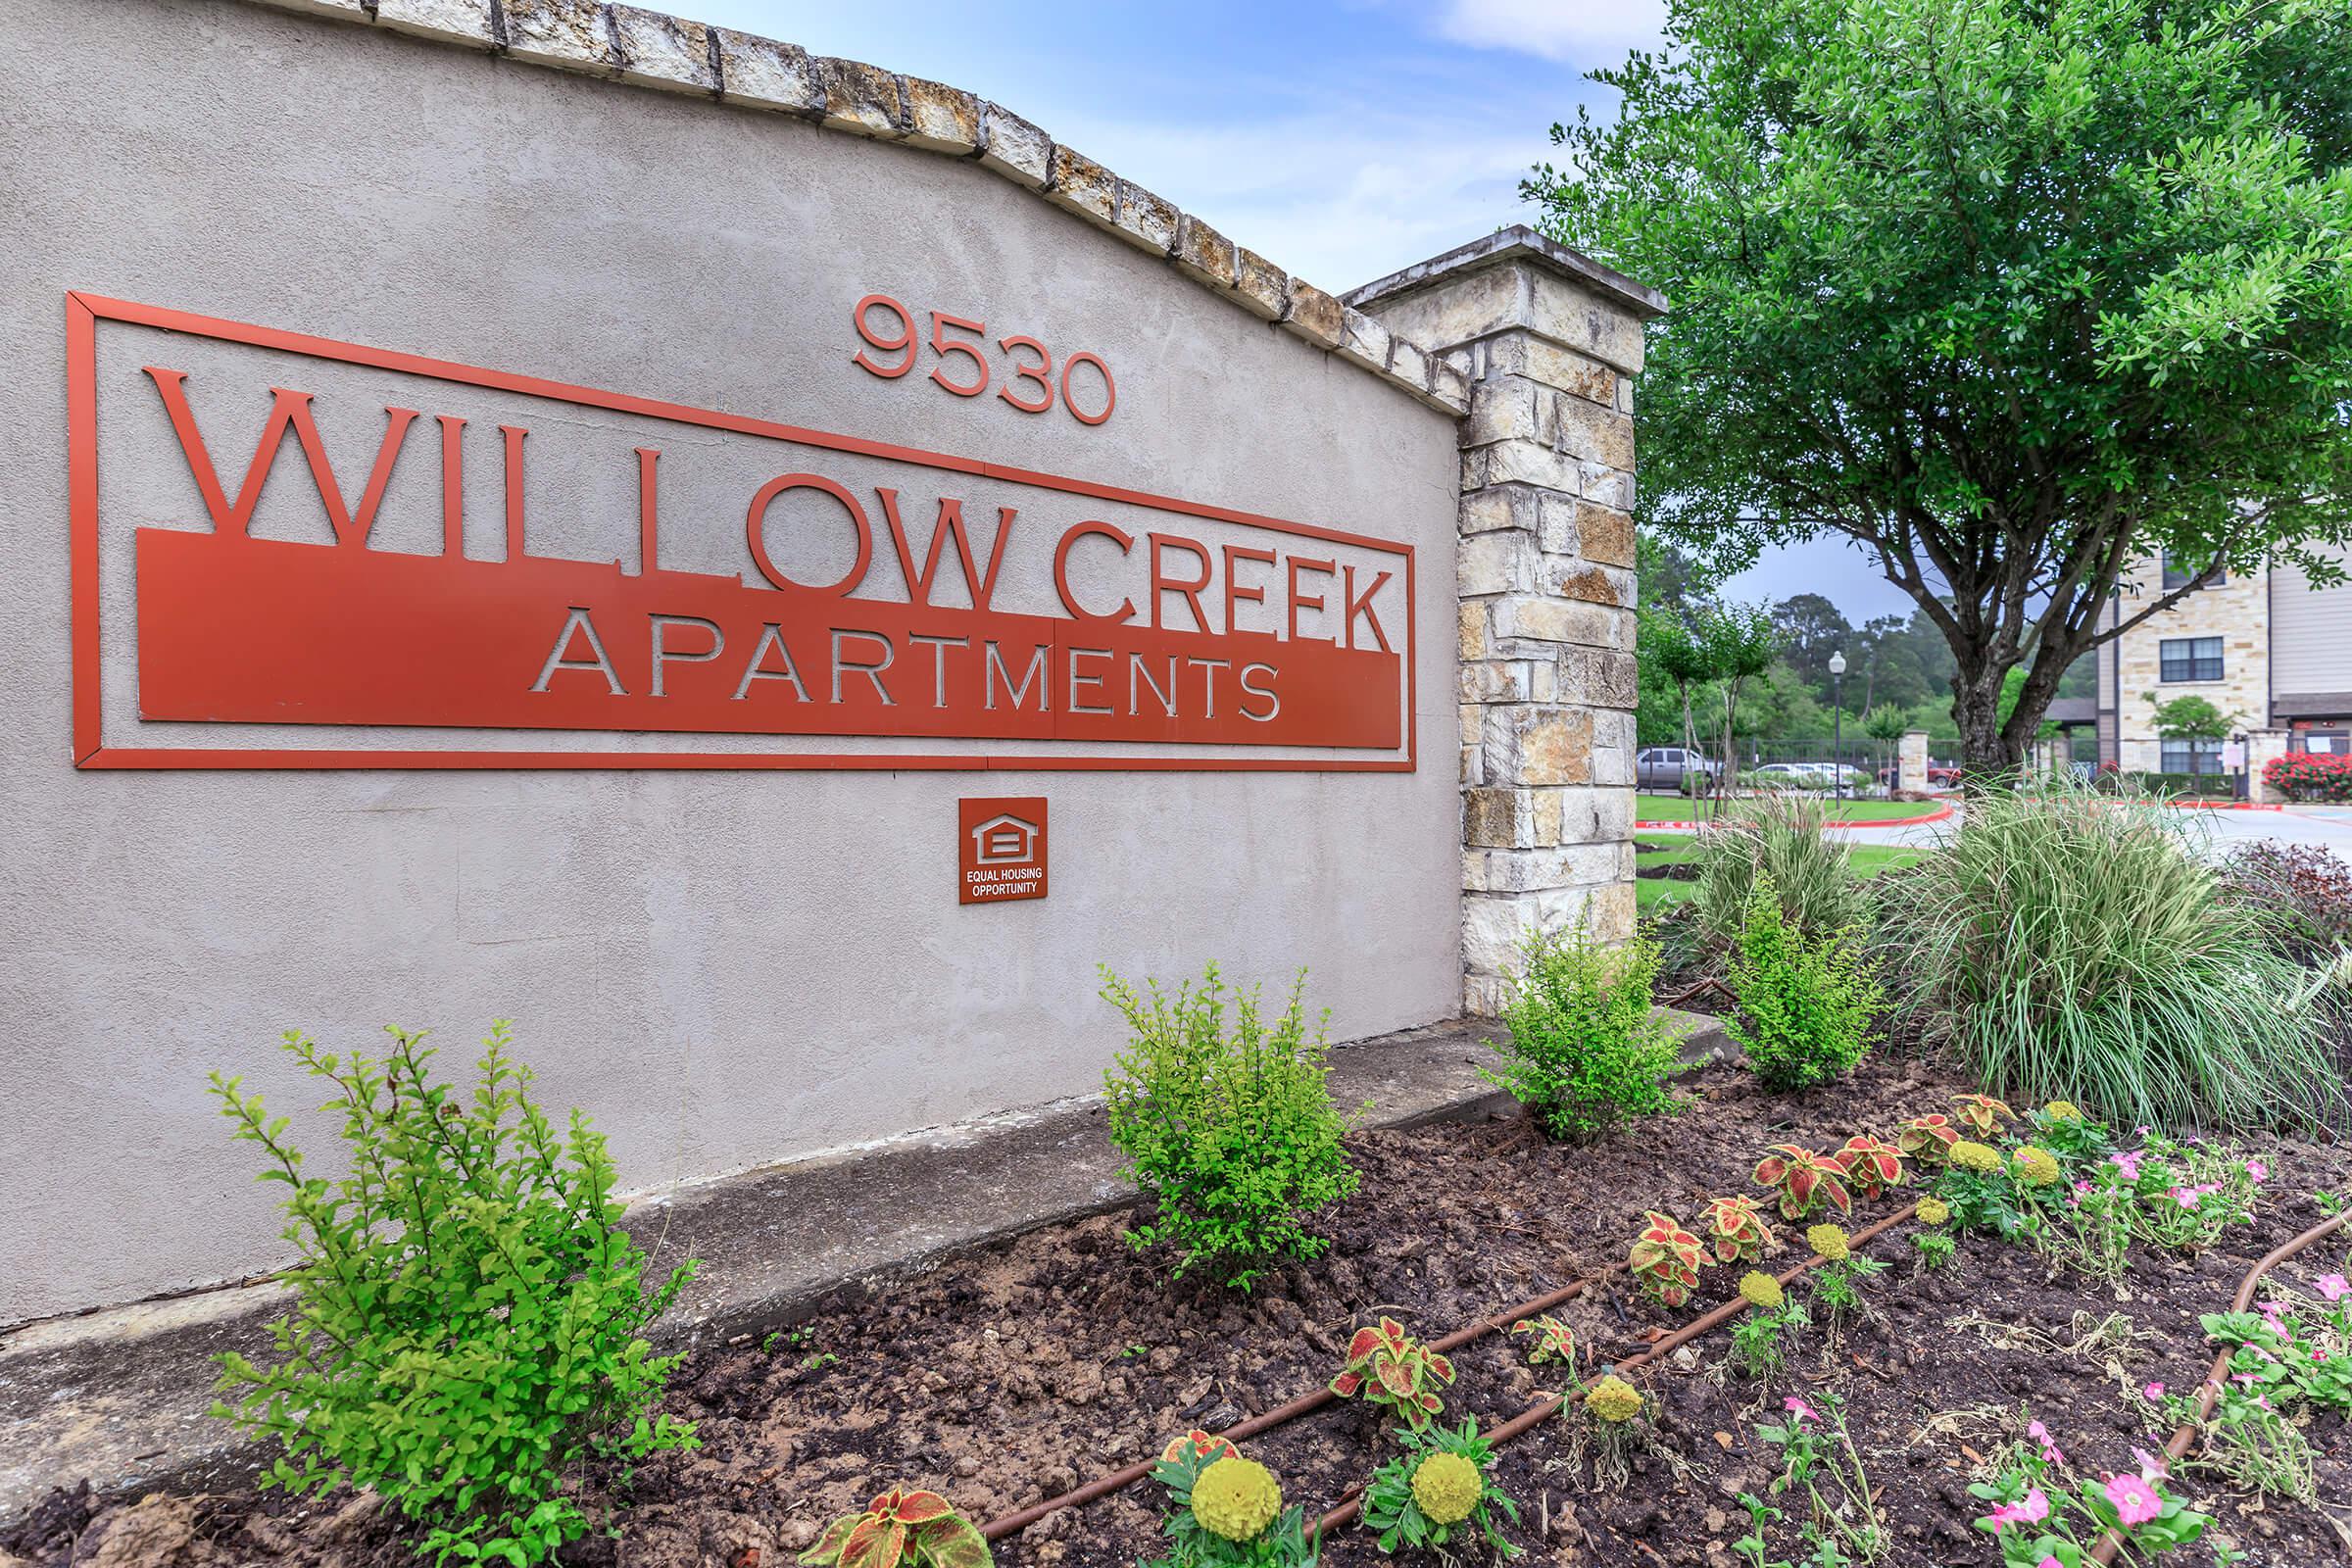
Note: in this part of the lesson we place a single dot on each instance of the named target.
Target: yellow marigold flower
(2037, 1167)
(1933, 1212)
(1971, 1155)
(1830, 1241)
(2062, 1111)
(1236, 1498)
(1760, 1290)
(1447, 1487)
(1614, 1399)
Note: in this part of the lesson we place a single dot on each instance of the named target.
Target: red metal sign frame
(83, 311)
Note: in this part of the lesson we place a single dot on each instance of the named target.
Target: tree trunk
(1987, 752)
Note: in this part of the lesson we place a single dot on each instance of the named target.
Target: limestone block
(1449, 382)
(657, 50)
(465, 21)
(1605, 486)
(1501, 408)
(1509, 506)
(1263, 287)
(1573, 577)
(1497, 561)
(1597, 677)
(1533, 745)
(1315, 314)
(1363, 340)
(567, 35)
(1147, 220)
(763, 74)
(1473, 629)
(1406, 362)
(1085, 187)
(1575, 317)
(1593, 431)
(1507, 680)
(1202, 254)
(1561, 620)
(1541, 869)
(859, 98)
(1524, 354)
(941, 119)
(1485, 995)
(1612, 765)
(1015, 148)
(1498, 817)
(1515, 461)
(1605, 535)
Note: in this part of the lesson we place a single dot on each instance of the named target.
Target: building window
(2190, 757)
(2189, 658)
(2177, 576)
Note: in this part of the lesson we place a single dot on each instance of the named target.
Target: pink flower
(2152, 1392)
(2152, 1467)
(2248, 1378)
(2332, 1286)
(2127, 1164)
(2049, 1449)
(2049, 1562)
(2035, 1510)
(2134, 1498)
(2185, 1196)
(1798, 1408)
(2258, 1170)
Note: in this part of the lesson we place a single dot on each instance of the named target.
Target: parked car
(1664, 767)
(1941, 776)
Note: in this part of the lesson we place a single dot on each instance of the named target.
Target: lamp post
(1838, 723)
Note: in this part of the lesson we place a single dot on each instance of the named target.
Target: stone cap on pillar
(1515, 279)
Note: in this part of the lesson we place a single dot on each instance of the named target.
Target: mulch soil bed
(1034, 1365)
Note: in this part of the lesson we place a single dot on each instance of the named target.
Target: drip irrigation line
(1118, 1480)
(1542, 1410)
(2185, 1435)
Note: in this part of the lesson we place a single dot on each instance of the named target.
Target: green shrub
(1587, 1050)
(469, 1313)
(1781, 837)
(1806, 1004)
(2072, 946)
(1233, 1135)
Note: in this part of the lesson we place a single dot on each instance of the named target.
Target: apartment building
(2269, 648)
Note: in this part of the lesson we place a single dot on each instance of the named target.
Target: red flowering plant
(1805, 1180)
(1389, 1366)
(1736, 1226)
(1205, 1447)
(901, 1529)
(2306, 776)
(1926, 1139)
(1665, 1259)
(1981, 1115)
(1871, 1165)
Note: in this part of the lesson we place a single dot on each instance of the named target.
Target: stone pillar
(1550, 343)
(1911, 761)
(2263, 746)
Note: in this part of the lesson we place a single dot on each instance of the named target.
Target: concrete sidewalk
(120, 1396)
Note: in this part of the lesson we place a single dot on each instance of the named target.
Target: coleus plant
(1736, 1225)
(1871, 1165)
(1389, 1366)
(1665, 1259)
(901, 1529)
(1981, 1115)
(1552, 1341)
(1804, 1180)
(1926, 1138)
(1205, 1447)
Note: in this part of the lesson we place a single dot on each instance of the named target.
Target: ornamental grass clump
(1587, 1051)
(2073, 946)
(469, 1318)
(1232, 1131)
(1806, 1004)
(1776, 839)
(1437, 1491)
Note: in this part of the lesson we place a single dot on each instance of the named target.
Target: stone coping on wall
(1517, 242)
(649, 49)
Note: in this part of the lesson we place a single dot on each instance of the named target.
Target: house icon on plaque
(1004, 838)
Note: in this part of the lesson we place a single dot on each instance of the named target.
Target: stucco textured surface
(725, 968)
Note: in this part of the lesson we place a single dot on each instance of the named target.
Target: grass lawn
(1674, 848)
(1677, 808)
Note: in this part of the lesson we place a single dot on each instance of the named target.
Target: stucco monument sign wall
(489, 540)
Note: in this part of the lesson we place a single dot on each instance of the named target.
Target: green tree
(1737, 643)
(2013, 293)
(2190, 719)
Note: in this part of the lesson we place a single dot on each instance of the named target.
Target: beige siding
(2311, 632)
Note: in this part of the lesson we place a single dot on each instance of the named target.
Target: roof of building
(649, 49)
(2073, 711)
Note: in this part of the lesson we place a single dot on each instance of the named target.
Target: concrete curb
(120, 1396)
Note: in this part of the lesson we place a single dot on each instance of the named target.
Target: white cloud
(1574, 32)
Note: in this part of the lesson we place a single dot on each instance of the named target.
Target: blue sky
(1343, 139)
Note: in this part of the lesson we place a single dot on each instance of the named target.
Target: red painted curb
(2223, 805)
(1937, 815)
